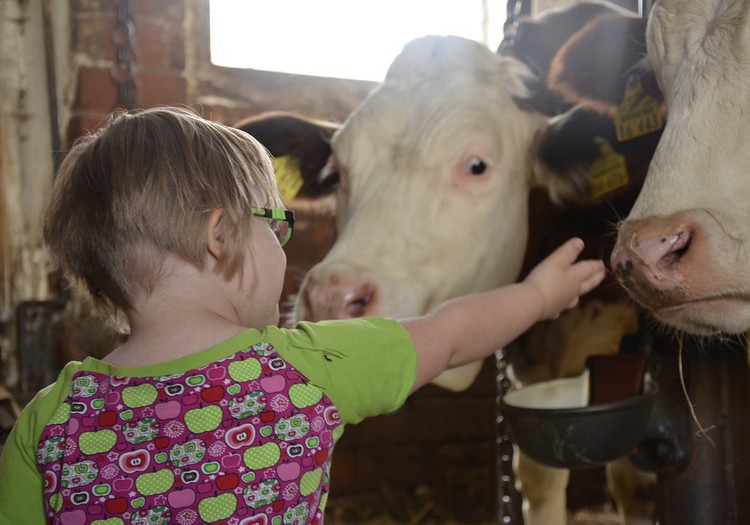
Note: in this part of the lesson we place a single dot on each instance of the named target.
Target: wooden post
(714, 488)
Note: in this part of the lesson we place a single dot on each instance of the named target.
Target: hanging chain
(516, 8)
(125, 67)
(508, 498)
(507, 495)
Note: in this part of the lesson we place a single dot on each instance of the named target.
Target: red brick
(160, 45)
(96, 90)
(92, 35)
(81, 125)
(159, 89)
(171, 10)
(83, 6)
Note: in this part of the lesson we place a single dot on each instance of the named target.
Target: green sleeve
(21, 485)
(365, 366)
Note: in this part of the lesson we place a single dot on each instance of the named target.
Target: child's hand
(561, 281)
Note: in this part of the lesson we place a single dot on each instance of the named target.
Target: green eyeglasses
(282, 222)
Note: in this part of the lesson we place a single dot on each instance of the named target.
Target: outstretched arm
(472, 327)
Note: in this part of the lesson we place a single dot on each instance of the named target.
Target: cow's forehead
(435, 77)
(701, 53)
(394, 118)
(432, 117)
(692, 46)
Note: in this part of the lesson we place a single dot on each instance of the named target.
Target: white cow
(433, 173)
(435, 170)
(683, 250)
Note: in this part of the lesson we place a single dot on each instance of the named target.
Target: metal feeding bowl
(553, 423)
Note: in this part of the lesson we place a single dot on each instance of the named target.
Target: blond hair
(143, 187)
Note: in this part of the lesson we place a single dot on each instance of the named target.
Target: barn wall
(30, 85)
(173, 67)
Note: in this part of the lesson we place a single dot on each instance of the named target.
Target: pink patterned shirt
(245, 439)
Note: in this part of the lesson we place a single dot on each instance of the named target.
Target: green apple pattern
(246, 439)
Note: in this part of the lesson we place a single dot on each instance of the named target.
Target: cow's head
(432, 174)
(683, 251)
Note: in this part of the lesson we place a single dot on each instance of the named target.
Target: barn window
(340, 38)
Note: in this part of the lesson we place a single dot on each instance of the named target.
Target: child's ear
(215, 233)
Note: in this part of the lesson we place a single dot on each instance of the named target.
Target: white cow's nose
(334, 297)
(653, 252)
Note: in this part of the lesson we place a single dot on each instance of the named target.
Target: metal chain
(124, 71)
(516, 8)
(508, 498)
(507, 495)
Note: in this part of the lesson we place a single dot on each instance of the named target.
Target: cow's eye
(477, 166)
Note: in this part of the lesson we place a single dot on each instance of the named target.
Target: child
(209, 412)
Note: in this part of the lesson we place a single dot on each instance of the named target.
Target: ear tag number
(638, 113)
(608, 171)
(288, 176)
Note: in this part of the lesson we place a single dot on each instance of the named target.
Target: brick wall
(160, 59)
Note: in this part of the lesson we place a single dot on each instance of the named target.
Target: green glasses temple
(282, 222)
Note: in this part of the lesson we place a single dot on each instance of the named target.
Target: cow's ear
(564, 152)
(536, 40)
(598, 79)
(300, 146)
(579, 158)
(582, 155)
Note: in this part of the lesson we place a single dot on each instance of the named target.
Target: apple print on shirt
(245, 440)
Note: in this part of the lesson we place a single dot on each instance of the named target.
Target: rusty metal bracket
(37, 325)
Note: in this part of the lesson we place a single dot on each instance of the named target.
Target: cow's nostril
(357, 306)
(359, 302)
(334, 297)
(679, 246)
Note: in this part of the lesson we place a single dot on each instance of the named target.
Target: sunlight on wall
(340, 38)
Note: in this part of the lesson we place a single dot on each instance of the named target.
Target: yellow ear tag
(288, 176)
(638, 113)
(608, 171)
